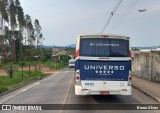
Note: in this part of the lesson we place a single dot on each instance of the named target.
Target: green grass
(57, 66)
(20, 63)
(49, 64)
(7, 83)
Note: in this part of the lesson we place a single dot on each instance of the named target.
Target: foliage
(57, 62)
(7, 83)
(53, 65)
(64, 58)
(3, 89)
(46, 54)
(38, 34)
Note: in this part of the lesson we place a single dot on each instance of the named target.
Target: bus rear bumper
(80, 91)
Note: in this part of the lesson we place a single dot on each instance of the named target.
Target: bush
(1, 65)
(3, 89)
(64, 58)
(22, 63)
(7, 83)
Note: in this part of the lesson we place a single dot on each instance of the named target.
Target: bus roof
(103, 35)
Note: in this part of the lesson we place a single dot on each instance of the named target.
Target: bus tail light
(130, 75)
(130, 78)
(77, 78)
(129, 83)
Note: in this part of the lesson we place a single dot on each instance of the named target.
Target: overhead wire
(111, 15)
(126, 13)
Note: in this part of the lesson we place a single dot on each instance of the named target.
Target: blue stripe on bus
(103, 70)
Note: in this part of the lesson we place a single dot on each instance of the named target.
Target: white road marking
(15, 93)
(66, 71)
(66, 95)
(65, 98)
(69, 101)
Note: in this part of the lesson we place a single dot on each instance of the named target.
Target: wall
(147, 65)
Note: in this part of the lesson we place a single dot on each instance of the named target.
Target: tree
(38, 34)
(4, 18)
(30, 35)
(30, 30)
(3, 9)
(13, 25)
(21, 24)
(12, 43)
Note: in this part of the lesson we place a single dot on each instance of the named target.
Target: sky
(63, 20)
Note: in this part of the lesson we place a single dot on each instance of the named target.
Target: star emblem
(91, 44)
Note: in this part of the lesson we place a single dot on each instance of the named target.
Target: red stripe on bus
(77, 53)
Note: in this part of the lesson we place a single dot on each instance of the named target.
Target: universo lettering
(103, 67)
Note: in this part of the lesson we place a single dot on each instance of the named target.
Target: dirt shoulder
(41, 68)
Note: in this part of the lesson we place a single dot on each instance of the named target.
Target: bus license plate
(104, 92)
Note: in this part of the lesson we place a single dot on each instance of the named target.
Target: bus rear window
(104, 47)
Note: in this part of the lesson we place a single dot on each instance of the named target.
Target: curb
(146, 93)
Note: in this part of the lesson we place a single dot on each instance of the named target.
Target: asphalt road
(59, 89)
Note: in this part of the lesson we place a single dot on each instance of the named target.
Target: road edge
(146, 93)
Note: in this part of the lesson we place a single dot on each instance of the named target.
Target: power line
(112, 13)
(126, 13)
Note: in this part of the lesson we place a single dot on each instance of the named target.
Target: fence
(29, 68)
(146, 64)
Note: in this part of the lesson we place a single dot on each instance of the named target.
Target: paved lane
(59, 89)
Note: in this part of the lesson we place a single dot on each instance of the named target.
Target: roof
(103, 34)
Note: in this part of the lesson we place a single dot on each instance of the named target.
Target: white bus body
(103, 65)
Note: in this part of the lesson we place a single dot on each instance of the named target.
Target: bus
(102, 65)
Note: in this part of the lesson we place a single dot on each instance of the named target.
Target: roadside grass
(20, 63)
(49, 63)
(55, 66)
(7, 83)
